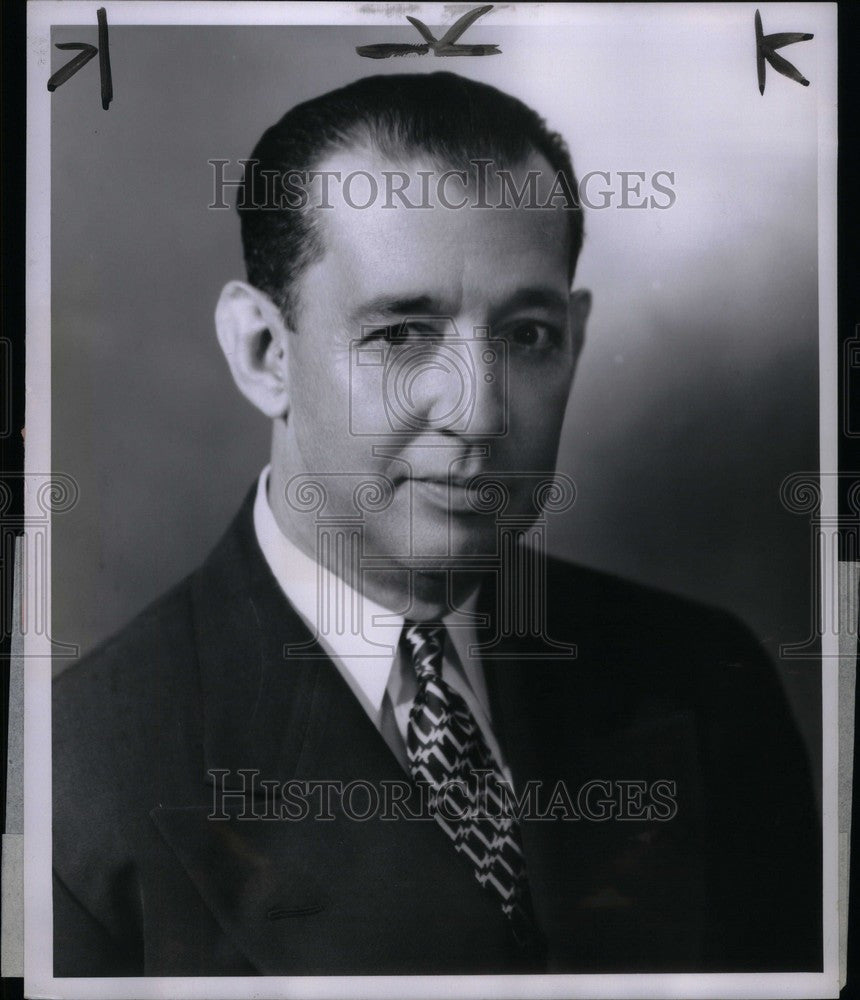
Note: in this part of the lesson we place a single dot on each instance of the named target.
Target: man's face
(475, 383)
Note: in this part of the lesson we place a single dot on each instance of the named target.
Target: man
(555, 770)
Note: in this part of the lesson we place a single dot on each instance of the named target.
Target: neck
(422, 594)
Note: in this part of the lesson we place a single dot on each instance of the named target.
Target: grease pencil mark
(85, 53)
(73, 65)
(444, 46)
(104, 59)
(765, 50)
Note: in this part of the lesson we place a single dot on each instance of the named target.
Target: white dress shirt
(363, 639)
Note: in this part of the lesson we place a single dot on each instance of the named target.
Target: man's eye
(399, 332)
(382, 333)
(534, 334)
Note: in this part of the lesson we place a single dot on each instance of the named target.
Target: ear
(253, 337)
(579, 309)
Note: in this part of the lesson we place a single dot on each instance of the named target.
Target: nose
(456, 384)
(489, 414)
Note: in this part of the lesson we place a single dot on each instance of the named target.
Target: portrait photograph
(431, 480)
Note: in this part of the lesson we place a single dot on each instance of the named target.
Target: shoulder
(125, 724)
(122, 721)
(148, 668)
(643, 643)
(127, 719)
(595, 600)
(129, 673)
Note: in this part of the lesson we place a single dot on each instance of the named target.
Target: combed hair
(446, 117)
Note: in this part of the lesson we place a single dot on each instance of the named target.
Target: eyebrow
(536, 297)
(415, 305)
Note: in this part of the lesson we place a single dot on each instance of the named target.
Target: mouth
(449, 493)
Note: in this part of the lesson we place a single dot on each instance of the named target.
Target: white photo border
(38, 933)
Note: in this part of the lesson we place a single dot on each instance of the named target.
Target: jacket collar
(300, 895)
(265, 681)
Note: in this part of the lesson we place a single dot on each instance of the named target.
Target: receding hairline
(401, 158)
(440, 118)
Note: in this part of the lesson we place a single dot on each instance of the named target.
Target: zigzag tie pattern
(445, 745)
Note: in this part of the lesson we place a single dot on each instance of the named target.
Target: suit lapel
(525, 698)
(615, 894)
(308, 895)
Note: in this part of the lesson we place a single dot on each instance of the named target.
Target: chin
(454, 541)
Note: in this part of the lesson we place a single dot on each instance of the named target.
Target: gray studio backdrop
(697, 392)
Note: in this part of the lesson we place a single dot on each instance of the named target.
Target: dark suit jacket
(660, 688)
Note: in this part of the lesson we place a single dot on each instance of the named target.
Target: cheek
(319, 391)
(536, 411)
(322, 403)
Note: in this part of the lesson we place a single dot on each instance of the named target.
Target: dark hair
(446, 116)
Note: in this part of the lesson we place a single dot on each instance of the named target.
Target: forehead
(374, 242)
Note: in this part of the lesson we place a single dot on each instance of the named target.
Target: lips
(449, 493)
(457, 482)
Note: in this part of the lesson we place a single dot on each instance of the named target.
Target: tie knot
(424, 643)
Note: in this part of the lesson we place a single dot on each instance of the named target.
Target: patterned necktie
(445, 745)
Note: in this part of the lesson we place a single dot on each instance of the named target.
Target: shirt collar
(362, 634)
(365, 640)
